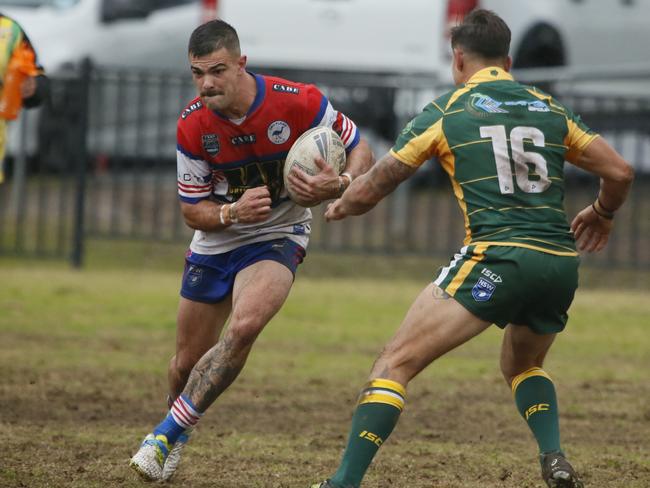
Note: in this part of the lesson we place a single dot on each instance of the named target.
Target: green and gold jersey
(503, 145)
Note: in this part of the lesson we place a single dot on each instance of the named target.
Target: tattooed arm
(367, 190)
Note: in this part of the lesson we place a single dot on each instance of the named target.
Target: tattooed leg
(259, 292)
(215, 372)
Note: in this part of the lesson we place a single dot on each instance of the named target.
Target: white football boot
(174, 457)
(148, 462)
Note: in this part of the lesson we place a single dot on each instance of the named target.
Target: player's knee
(244, 330)
(182, 365)
(395, 364)
(509, 370)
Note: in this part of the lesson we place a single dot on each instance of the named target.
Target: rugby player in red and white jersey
(250, 237)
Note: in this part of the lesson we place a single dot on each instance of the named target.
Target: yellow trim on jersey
(528, 374)
(456, 95)
(528, 246)
(505, 229)
(478, 210)
(486, 74)
(505, 209)
(576, 140)
(401, 159)
(420, 148)
(540, 207)
(548, 99)
(555, 145)
(437, 106)
(482, 141)
(479, 179)
(448, 163)
(455, 111)
(478, 253)
(543, 242)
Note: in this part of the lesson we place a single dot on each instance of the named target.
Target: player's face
(217, 77)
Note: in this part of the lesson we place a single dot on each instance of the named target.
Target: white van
(131, 33)
(372, 36)
(411, 36)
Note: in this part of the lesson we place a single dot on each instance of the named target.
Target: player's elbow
(192, 224)
(626, 174)
(191, 215)
(621, 173)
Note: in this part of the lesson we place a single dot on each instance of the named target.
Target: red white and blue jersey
(220, 159)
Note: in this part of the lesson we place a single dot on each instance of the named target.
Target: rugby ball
(319, 141)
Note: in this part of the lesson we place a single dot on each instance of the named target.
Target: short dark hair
(483, 33)
(212, 36)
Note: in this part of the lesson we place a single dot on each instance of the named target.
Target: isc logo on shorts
(483, 290)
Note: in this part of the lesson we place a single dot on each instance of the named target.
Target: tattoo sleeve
(366, 191)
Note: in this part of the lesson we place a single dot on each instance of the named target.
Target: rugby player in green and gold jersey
(503, 146)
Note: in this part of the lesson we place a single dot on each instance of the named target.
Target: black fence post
(81, 161)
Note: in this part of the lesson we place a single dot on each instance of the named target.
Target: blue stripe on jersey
(354, 143)
(188, 154)
(191, 200)
(321, 112)
(259, 97)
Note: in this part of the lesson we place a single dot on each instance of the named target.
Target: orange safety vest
(17, 62)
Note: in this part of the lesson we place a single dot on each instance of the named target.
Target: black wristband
(603, 207)
(602, 215)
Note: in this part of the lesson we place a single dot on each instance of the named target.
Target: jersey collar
(491, 73)
(259, 97)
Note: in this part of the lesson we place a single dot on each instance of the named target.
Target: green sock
(536, 401)
(380, 405)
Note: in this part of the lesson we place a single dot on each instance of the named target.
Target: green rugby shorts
(507, 284)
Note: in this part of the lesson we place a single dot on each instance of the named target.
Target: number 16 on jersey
(522, 159)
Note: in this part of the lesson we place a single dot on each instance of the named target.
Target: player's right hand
(254, 205)
(591, 231)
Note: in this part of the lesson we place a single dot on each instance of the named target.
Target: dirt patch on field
(68, 428)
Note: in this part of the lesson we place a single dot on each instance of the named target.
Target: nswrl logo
(483, 290)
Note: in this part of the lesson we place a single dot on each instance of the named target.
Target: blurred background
(95, 165)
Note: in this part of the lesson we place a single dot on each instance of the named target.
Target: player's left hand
(322, 186)
(591, 231)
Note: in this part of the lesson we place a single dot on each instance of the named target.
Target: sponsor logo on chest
(210, 144)
(278, 132)
(243, 139)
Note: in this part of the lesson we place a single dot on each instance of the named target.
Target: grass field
(82, 379)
